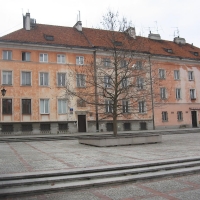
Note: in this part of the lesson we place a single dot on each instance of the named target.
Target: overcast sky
(167, 17)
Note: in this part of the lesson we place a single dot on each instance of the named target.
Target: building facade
(38, 60)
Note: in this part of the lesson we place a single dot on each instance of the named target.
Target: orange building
(37, 60)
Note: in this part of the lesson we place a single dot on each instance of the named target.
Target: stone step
(97, 177)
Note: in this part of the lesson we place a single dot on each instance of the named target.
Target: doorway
(194, 118)
(81, 123)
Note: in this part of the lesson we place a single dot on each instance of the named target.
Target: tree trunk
(115, 125)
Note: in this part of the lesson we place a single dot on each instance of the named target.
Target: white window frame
(27, 56)
(138, 64)
(163, 93)
(62, 106)
(178, 93)
(43, 81)
(140, 83)
(79, 60)
(61, 58)
(107, 81)
(45, 109)
(176, 75)
(123, 64)
(192, 94)
(109, 106)
(142, 106)
(106, 62)
(190, 75)
(125, 106)
(61, 82)
(124, 82)
(80, 80)
(161, 73)
(179, 115)
(22, 82)
(6, 56)
(164, 116)
(43, 57)
(5, 77)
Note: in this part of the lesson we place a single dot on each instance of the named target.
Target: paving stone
(188, 195)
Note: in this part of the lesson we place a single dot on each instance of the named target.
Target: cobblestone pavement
(58, 155)
(184, 188)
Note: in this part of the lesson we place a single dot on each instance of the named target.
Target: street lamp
(3, 91)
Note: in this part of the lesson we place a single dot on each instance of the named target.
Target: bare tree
(117, 80)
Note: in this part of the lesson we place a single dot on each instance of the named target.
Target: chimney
(131, 31)
(27, 22)
(154, 36)
(78, 25)
(179, 40)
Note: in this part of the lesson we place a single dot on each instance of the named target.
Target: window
(169, 50)
(123, 63)
(176, 74)
(80, 80)
(26, 127)
(178, 93)
(7, 55)
(140, 83)
(63, 126)
(124, 82)
(192, 94)
(49, 37)
(45, 127)
(60, 58)
(7, 78)
(81, 103)
(163, 93)
(109, 126)
(107, 81)
(26, 106)
(142, 107)
(7, 106)
(79, 60)
(61, 79)
(44, 79)
(106, 62)
(7, 127)
(109, 106)
(191, 75)
(164, 116)
(43, 57)
(62, 106)
(180, 115)
(26, 78)
(138, 65)
(125, 108)
(127, 126)
(44, 106)
(26, 56)
(162, 73)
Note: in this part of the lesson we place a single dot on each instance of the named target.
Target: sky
(169, 18)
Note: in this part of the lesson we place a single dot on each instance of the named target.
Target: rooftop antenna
(176, 32)
(79, 16)
(22, 12)
(156, 26)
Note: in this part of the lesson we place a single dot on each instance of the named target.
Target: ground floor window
(7, 127)
(45, 127)
(26, 127)
(164, 116)
(63, 126)
(127, 126)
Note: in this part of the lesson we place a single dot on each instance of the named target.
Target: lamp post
(3, 92)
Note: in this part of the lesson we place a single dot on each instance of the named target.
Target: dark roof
(90, 38)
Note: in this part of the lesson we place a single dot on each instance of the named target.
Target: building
(37, 60)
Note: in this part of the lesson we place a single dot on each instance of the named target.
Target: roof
(90, 38)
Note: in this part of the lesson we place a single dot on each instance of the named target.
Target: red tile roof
(90, 38)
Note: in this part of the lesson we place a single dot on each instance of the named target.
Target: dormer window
(194, 53)
(117, 43)
(169, 50)
(49, 37)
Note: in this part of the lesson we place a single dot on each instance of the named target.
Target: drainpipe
(96, 97)
(152, 99)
